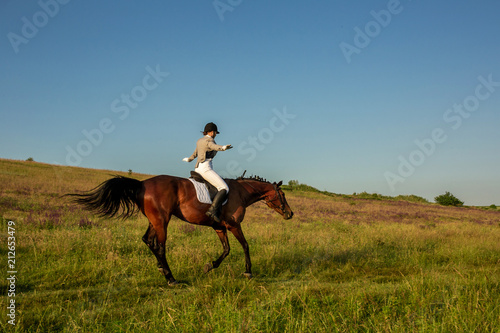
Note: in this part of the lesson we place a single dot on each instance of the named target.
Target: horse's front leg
(238, 233)
(222, 233)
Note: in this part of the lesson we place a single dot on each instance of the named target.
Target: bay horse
(160, 197)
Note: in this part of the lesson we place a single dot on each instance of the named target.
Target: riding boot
(214, 211)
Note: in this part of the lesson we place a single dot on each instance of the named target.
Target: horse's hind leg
(157, 246)
(152, 242)
(222, 233)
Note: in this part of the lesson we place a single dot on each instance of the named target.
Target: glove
(226, 147)
(186, 159)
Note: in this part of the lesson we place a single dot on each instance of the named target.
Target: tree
(448, 199)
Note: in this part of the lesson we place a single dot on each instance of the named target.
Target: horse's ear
(279, 184)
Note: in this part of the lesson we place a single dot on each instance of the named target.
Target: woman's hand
(226, 147)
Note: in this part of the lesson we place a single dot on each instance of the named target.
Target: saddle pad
(202, 192)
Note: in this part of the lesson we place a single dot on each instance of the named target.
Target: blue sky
(392, 97)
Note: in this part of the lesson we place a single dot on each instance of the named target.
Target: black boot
(214, 211)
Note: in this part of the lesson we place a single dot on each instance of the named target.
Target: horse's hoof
(207, 268)
(247, 275)
(173, 283)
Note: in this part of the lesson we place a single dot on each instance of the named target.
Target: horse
(160, 197)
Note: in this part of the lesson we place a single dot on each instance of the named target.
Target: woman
(206, 149)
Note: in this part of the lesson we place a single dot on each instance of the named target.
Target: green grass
(342, 264)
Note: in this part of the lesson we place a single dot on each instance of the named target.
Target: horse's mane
(257, 178)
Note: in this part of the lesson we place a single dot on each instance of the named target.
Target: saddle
(212, 190)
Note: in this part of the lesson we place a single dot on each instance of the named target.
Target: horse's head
(275, 199)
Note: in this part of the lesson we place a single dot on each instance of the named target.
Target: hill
(32, 192)
(343, 263)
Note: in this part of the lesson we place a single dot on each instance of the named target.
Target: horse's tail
(118, 196)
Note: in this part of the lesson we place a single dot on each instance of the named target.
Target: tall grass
(341, 264)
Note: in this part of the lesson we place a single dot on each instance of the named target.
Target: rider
(206, 149)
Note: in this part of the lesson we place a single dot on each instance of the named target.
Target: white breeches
(206, 171)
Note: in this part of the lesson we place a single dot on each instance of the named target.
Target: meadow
(342, 264)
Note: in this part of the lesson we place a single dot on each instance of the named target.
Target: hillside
(32, 191)
(343, 263)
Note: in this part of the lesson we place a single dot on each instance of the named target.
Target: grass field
(342, 264)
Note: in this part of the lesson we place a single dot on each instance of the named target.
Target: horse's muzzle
(288, 215)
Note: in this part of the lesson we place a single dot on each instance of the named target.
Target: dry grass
(341, 264)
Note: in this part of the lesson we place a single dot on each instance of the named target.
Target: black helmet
(210, 127)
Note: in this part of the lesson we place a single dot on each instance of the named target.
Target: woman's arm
(211, 145)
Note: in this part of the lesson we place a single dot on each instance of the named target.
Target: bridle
(270, 202)
(277, 194)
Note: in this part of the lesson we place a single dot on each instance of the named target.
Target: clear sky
(391, 97)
